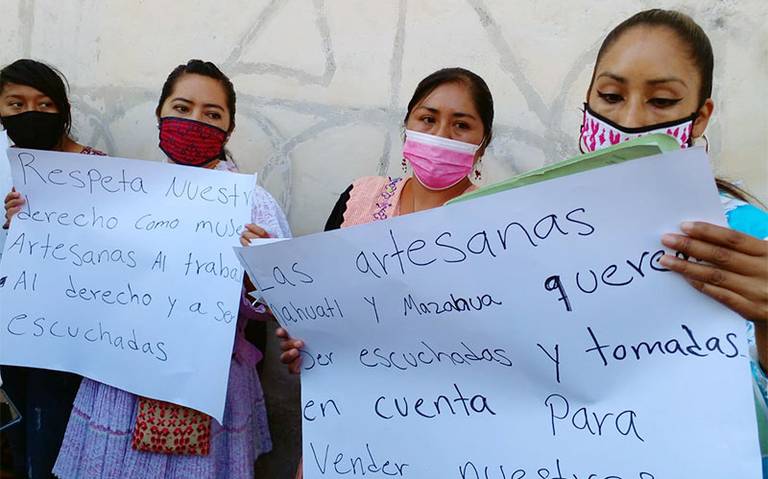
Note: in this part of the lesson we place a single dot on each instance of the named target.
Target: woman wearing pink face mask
(654, 75)
(447, 128)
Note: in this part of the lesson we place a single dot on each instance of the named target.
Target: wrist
(761, 343)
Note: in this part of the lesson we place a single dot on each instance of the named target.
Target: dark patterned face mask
(35, 129)
(190, 142)
(598, 132)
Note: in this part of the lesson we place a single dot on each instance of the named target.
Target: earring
(478, 172)
(405, 166)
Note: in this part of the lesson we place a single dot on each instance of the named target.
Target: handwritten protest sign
(527, 334)
(123, 271)
(5, 186)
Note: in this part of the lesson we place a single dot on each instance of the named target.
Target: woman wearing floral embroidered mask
(654, 74)
(110, 432)
(447, 128)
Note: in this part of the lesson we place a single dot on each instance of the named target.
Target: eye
(429, 120)
(664, 102)
(181, 108)
(214, 115)
(46, 104)
(610, 97)
(14, 104)
(462, 125)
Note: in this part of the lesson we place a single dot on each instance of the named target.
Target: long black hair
(44, 78)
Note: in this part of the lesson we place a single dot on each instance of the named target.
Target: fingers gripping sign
(252, 232)
(13, 203)
(733, 267)
(291, 355)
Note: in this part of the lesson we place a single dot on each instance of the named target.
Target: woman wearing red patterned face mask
(195, 118)
(107, 435)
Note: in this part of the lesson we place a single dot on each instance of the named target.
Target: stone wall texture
(322, 87)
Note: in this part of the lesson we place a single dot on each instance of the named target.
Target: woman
(447, 129)
(654, 74)
(104, 438)
(36, 113)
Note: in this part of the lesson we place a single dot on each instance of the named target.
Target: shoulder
(268, 214)
(226, 165)
(260, 195)
(365, 182)
(89, 150)
(745, 217)
(371, 187)
(372, 198)
(370, 190)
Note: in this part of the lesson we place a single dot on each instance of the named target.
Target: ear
(483, 145)
(702, 119)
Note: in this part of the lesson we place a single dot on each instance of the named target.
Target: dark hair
(199, 67)
(481, 95)
(44, 78)
(687, 30)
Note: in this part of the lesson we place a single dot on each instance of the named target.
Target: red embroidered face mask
(190, 142)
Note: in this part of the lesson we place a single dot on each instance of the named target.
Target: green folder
(648, 145)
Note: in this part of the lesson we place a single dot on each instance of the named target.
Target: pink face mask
(598, 132)
(438, 162)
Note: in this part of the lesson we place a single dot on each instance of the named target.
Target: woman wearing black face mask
(35, 112)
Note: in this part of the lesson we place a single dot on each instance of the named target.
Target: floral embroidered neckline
(384, 203)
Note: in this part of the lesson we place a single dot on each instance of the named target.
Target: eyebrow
(657, 81)
(206, 105)
(457, 114)
(654, 81)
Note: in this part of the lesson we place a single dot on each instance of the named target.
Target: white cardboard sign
(123, 271)
(529, 334)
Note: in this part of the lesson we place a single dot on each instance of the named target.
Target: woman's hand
(250, 232)
(735, 269)
(291, 354)
(13, 204)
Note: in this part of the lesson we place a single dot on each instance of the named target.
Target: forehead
(646, 53)
(453, 95)
(15, 89)
(200, 89)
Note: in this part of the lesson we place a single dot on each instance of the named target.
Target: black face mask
(34, 129)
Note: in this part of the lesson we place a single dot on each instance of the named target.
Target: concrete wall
(322, 85)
